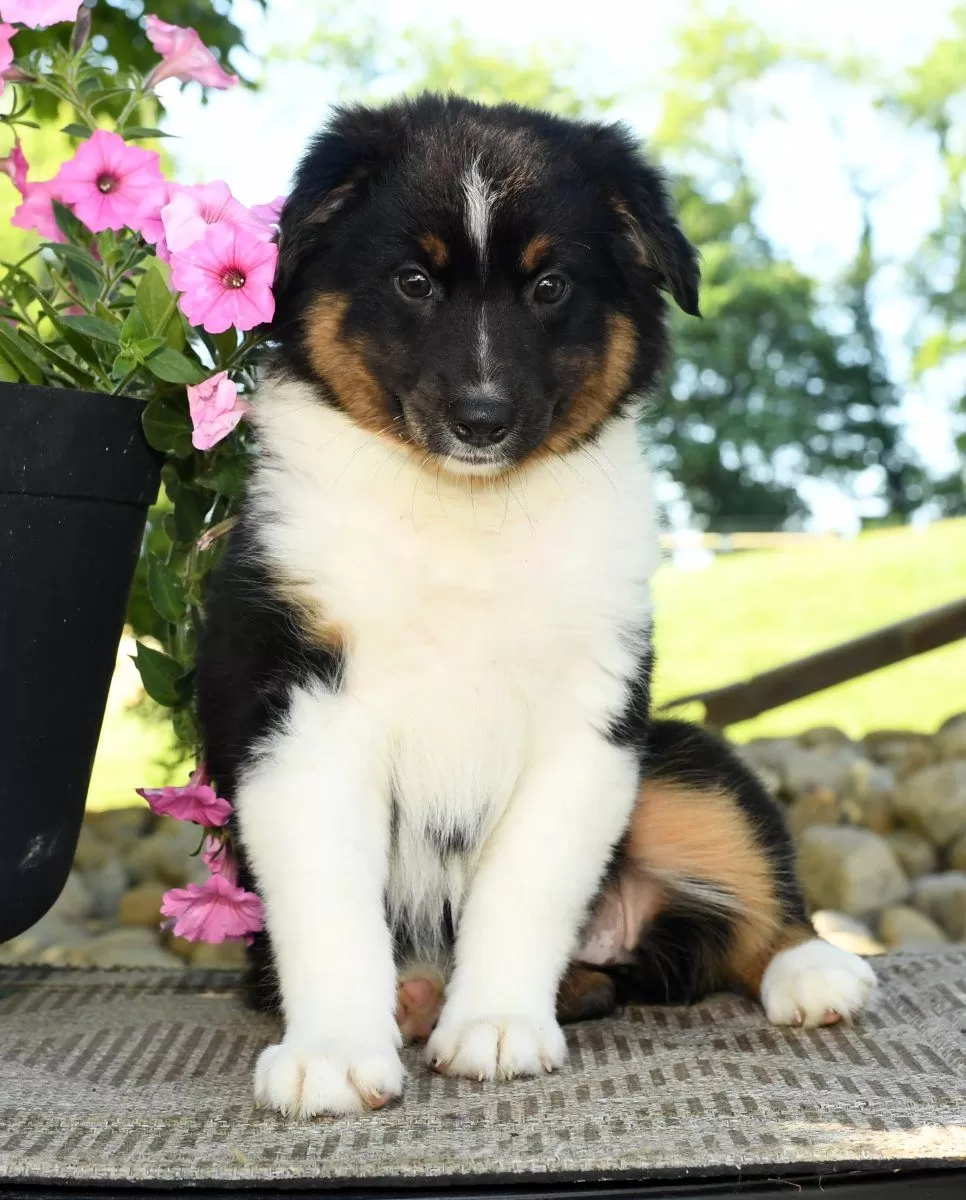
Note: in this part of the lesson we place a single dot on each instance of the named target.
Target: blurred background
(816, 417)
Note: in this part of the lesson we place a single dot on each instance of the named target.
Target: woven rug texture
(143, 1076)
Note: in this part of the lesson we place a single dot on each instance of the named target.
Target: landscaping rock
(121, 826)
(846, 932)
(904, 752)
(768, 753)
(933, 801)
(48, 941)
(820, 806)
(142, 905)
(950, 738)
(823, 737)
(956, 855)
(164, 856)
(106, 884)
(916, 855)
(124, 948)
(868, 796)
(943, 897)
(830, 767)
(219, 956)
(849, 869)
(904, 926)
(92, 850)
(75, 901)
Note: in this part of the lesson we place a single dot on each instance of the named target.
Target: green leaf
(226, 344)
(191, 506)
(154, 300)
(20, 354)
(134, 327)
(172, 367)
(160, 675)
(93, 327)
(228, 476)
(73, 372)
(167, 427)
(122, 365)
(166, 590)
(144, 131)
(75, 129)
(149, 346)
(8, 372)
(68, 224)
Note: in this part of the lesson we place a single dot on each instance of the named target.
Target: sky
(804, 159)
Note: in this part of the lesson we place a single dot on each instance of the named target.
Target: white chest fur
(478, 616)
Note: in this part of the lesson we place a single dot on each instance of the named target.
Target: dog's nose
(481, 420)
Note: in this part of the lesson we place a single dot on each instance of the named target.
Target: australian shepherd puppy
(424, 681)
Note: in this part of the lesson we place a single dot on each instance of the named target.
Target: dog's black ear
(333, 172)
(640, 197)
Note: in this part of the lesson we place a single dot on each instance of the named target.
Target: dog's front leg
(314, 817)
(538, 872)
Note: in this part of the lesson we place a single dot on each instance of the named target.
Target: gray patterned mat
(143, 1076)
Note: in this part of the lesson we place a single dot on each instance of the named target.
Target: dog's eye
(550, 288)
(414, 284)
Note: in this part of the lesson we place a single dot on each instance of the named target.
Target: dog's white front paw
(496, 1047)
(308, 1079)
(815, 983)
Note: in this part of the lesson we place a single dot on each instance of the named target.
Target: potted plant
(127, 335)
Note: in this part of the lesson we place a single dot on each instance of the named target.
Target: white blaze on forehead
(479, 207)
(484, 356)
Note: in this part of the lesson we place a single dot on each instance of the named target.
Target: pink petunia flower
(226, 277)
(218, 858)
(14, 166)
(36, 211)
(215, 410)
(6, 50)
(152, 227)
(184, 56)
(38, 14)
(190, 210)
(213, 911)
(109, 183)
(194, 801)
(270, 213)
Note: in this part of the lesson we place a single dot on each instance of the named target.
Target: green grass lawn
(744, 614)
(749, 612)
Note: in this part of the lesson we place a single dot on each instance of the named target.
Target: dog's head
(482, 283)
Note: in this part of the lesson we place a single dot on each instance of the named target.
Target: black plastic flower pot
(76, 480)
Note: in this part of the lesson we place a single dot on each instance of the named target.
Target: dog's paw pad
(815, 983)
(303, 1080)
(497, 1048)
(419, 1000)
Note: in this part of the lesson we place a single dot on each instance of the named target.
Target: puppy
(424, 680)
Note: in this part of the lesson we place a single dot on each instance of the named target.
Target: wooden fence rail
(891, 644)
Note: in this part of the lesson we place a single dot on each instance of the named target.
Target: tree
(931, 97)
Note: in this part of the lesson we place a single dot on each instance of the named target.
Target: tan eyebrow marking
(534, 250)
(435, 247)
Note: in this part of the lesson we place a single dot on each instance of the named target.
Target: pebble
(916, 855)
(901, 925)
(849, 869)
(848, 933)
(933, 801)
(943, 898)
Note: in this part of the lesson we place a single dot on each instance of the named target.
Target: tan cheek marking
(436, 248)
(705, 835)
(534, 250)
(339, 362)
(606, 381)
